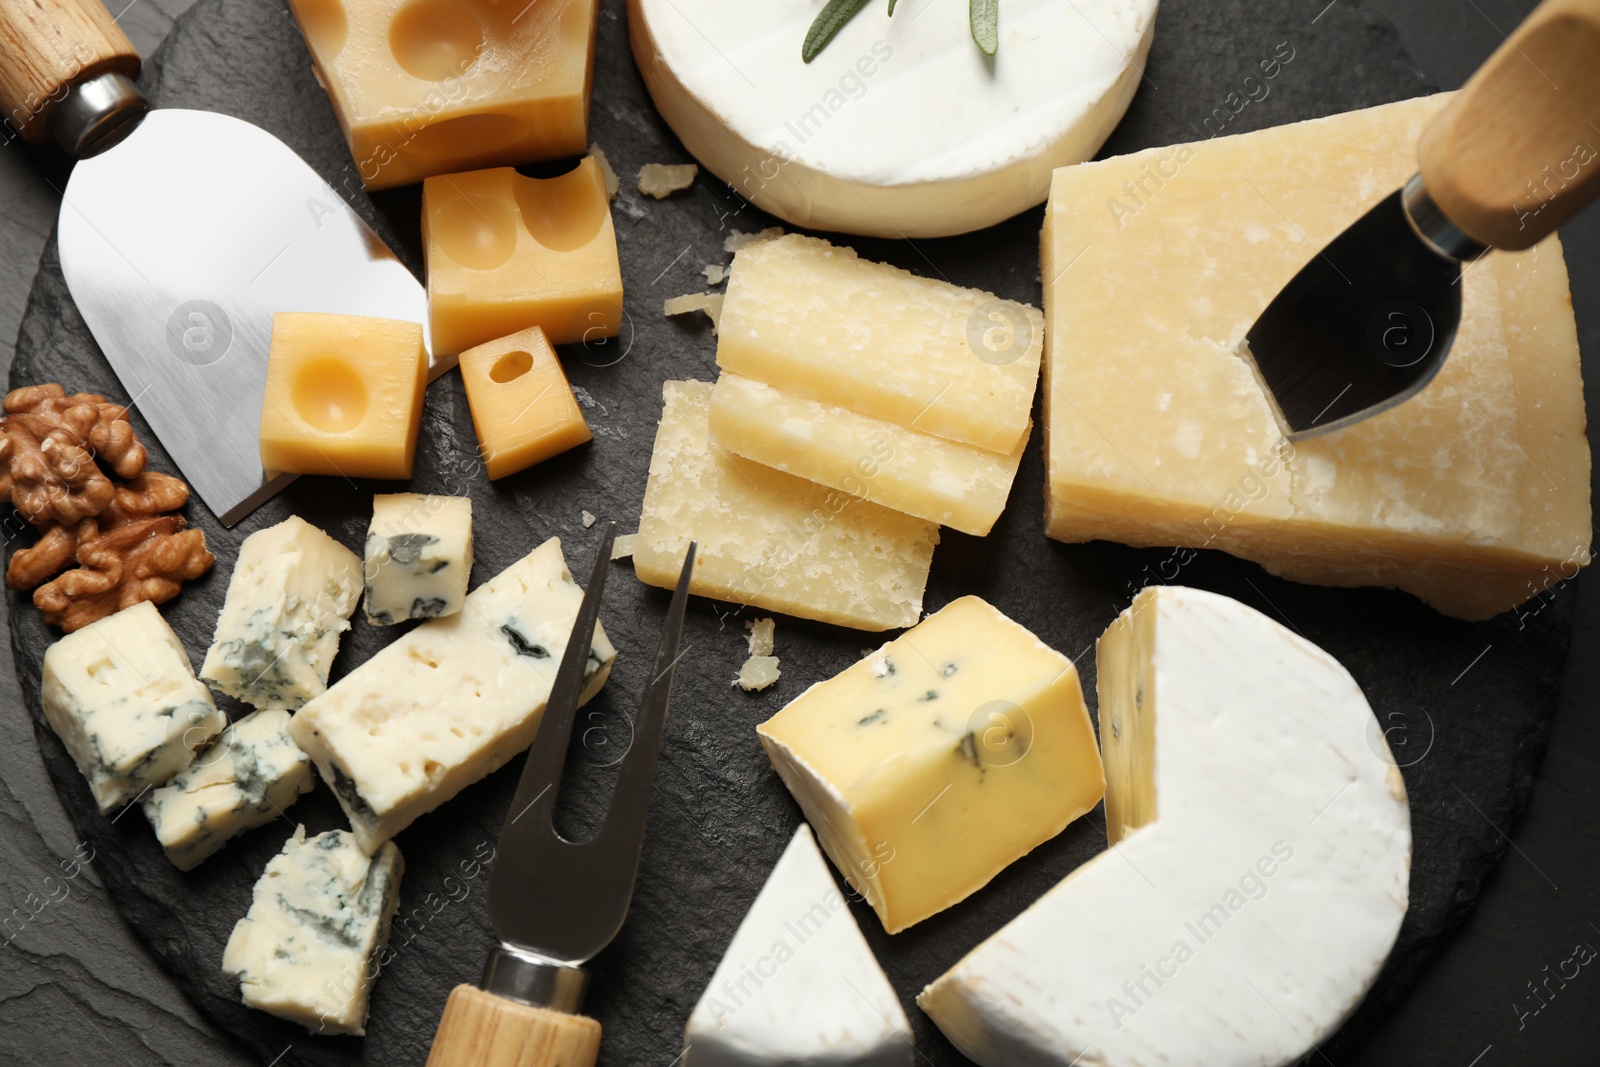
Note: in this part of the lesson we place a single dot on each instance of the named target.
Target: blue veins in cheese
(123, 698)
(291, 595)
(247, 778)
(451, 701)
(309, 948)
(419, 557)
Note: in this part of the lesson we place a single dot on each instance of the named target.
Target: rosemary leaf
(891, 8)
(986, 25)
(831, 19)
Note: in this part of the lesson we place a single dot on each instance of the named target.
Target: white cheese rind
(451, 701)
(122, 696)
(1249, 901)
(246, 779)
(291, 595)
(798, 985)
(899, 128)
(418, 557)
(309, 948)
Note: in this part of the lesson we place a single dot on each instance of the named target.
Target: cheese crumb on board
(1258, 867)
(246, 779)
(1474, 495)
(309, 948)
(418, 557)
(715, 273)
(291, 595)
(588, 519)
(122, 696)
(769, 539)
(740, 239)
(930, 766)
(451, 701)
(622, 547)
(710, 303)
(760, 639)
(661, 180)
(761, 669)
(601, 160)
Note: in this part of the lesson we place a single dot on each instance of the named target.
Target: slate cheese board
(1466, 707)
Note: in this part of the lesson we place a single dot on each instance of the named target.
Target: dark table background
(75, 988)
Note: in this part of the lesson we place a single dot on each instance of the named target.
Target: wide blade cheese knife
(1368, 321)
(181, 234)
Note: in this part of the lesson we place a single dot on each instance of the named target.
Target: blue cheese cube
(291, 595)
(450, 701)
(248, 777)
(419, 556)
(123, 698)
(309, 948)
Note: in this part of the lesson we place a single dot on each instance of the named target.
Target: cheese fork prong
(555, 903)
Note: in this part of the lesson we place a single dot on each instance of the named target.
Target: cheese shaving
(661, 180)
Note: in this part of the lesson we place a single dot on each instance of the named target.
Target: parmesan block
(1260, 849)
(820, 322)
(1474, 495)
(936, 761)
(451, 701)
(770, 539)
(418, 556)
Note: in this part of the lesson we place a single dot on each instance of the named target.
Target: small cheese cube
(426, 87)
(505, 252)
(122, 696)
(523, 409)
(309, 948)
(1473, 495)
(292, 593)
(419, 556)
(770, 539)
(245, 779)
(450, 701)
(932, 478)
(819, 322)
(344, 395)
(936, 761)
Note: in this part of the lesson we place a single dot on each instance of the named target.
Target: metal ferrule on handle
(96, 114)
(1442, 236)
(534, 981)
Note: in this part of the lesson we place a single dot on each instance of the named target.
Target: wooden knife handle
(1517, 152)
(46, 47)
(479, 1029)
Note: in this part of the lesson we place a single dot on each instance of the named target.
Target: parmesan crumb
(710, 303)
(588, 520)
(760, 638)
(622, 547)
(715, 273)
(758, 672)
(613, 183)
(739, 239)
(661, 180)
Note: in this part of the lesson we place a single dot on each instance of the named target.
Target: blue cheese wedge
(252, 772)
(419, 556)
(123, 698)
(450, 701)
(309, 948)
(291, 595)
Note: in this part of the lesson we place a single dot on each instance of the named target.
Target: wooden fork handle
(1517, 152)
(48, 46)
(479, 1029)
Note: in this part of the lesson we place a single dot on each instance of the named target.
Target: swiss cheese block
(770, 539)
(936, 761)
(418, 556)
(121, 695)
(450, 701)
(900, 127)
(426, 87)
(1258, 868)
(1474, 495)
(523, 409)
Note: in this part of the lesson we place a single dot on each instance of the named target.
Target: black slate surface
(1470, 730)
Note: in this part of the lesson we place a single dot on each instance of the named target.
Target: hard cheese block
(121, 695)
(506, 252)
(937, 760)
(798, 985)
(523, 410)
(418, 556)
(246, 779)
(1474, 495)
(770, 539)
(292, 593)
(450, 701)
(1257, 875)
(426, 87)
(310, 946)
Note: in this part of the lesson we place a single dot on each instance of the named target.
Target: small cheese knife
(181, 233)
(1368, 321)
(554, 903)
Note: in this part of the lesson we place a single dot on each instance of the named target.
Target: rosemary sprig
(984, 16)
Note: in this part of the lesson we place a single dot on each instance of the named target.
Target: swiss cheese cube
(523, 410)
(1474, 495)
(770, 539)
(122, 696)
(426, 87)
(418, 556)
(933, 763)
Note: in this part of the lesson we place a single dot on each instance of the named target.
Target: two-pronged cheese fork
(555, 903)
